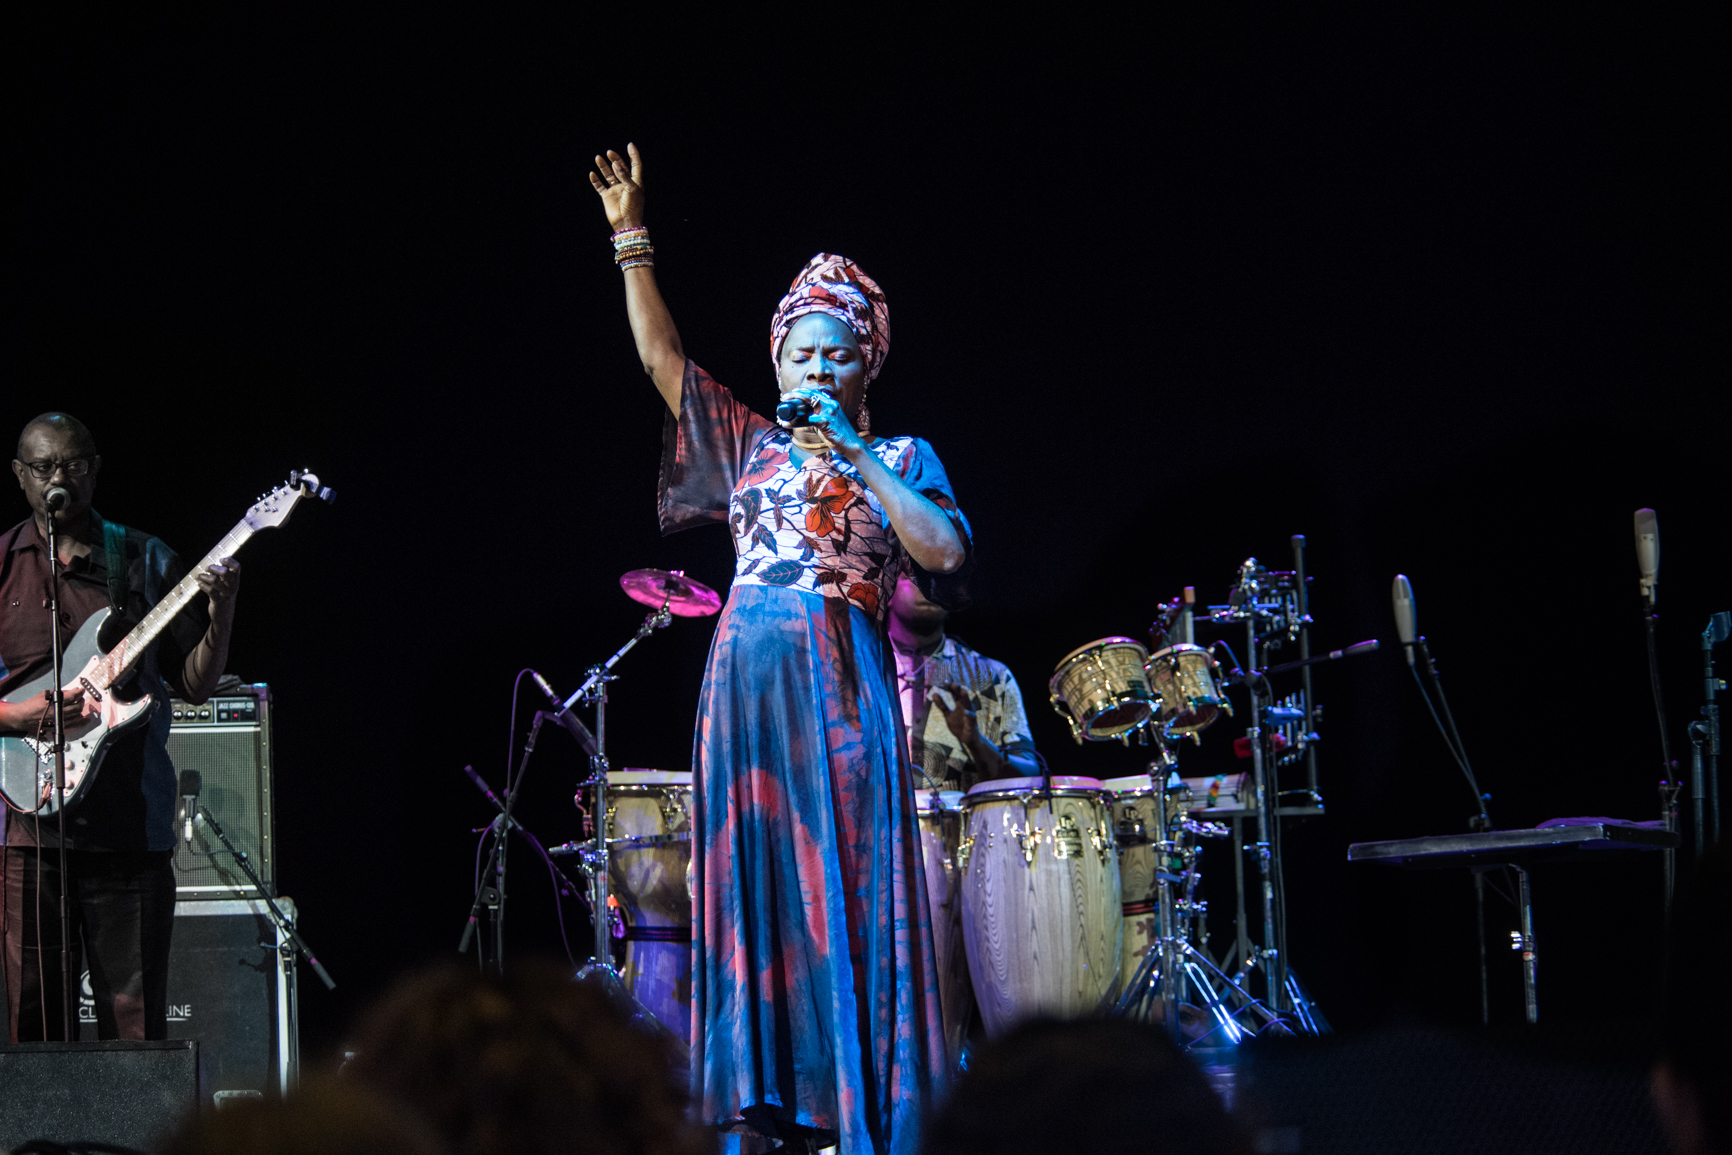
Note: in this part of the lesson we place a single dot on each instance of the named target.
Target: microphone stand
(492, 894)
(1669, 789)
(283, 921)
(56, 696)
(593, 855)
(1719, 629)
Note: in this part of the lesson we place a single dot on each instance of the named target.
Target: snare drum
(940, 817)
(1103, 691)
(1040, 898)
(1184, 679)
(647, 813)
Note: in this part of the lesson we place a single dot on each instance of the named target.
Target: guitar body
(27, 765)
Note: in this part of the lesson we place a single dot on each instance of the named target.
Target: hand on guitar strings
(33, 717)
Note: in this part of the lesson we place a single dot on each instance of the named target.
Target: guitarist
(121, 836)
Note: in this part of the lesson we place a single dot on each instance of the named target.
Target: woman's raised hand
(620, 187)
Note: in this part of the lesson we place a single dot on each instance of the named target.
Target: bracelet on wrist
(632, 248)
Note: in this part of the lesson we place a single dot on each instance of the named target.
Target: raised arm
(620, 187)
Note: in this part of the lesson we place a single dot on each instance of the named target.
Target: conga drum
(1136, 815)
(1040, 894)
(649, 828)
(940, 817)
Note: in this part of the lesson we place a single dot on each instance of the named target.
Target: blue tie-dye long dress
(814, 998)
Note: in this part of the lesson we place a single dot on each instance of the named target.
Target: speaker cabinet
(123, 1092)
(231, 987)
(228, 741)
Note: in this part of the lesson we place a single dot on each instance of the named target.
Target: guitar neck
(120, 660)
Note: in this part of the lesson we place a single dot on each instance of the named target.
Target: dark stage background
(1439, 297)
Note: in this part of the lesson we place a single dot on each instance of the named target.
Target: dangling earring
(863, 423)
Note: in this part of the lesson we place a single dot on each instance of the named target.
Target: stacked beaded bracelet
(632, 248)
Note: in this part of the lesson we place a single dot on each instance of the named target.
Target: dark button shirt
(131, 804)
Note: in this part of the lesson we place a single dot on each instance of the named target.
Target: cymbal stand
(594, 854)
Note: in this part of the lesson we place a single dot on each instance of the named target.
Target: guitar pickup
(90, 689)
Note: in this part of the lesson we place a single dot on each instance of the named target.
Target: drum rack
(1273, 608)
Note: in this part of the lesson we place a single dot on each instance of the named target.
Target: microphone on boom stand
(562, 714)
(1404, 613)
(1648, 561)
(56, 499)
(1406, 618)
(190, 781)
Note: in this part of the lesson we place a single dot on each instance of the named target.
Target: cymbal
(684, 596)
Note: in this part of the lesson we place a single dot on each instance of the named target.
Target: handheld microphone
(1404, 613)
(1648, 552)
(56, 499)
(190, 781)
(796, 411)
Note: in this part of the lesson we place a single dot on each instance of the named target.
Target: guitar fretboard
(118, 661)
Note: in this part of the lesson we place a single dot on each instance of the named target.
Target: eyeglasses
(75, 467)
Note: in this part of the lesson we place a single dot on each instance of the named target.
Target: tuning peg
(328, 495)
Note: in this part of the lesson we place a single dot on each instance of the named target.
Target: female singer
(814, 1002)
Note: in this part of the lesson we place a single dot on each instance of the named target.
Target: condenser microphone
(190, 781)
(56, 499)
(562, 714)
(1648, 552)
(1404, 614)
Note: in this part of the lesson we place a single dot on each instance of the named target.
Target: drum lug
(610, 813)
(1067, 838)
(1102, 837)
(1029, 837)
(1063, 711)
(963, 850)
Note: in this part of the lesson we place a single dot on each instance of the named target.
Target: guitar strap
(114, 544)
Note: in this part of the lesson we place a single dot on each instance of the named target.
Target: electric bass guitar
(27, 763)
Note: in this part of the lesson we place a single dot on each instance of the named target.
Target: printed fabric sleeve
(1013, 736)
(704, 452)
(924, 473)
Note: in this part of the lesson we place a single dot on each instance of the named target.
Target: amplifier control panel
(217, 711)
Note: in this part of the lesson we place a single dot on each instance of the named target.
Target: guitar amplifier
(228, 741)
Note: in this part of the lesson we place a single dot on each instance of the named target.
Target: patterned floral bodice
(816, 526)
(813, 526)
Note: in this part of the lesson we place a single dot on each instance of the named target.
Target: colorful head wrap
(835, 285)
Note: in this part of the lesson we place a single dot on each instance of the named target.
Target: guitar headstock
(274, 507)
